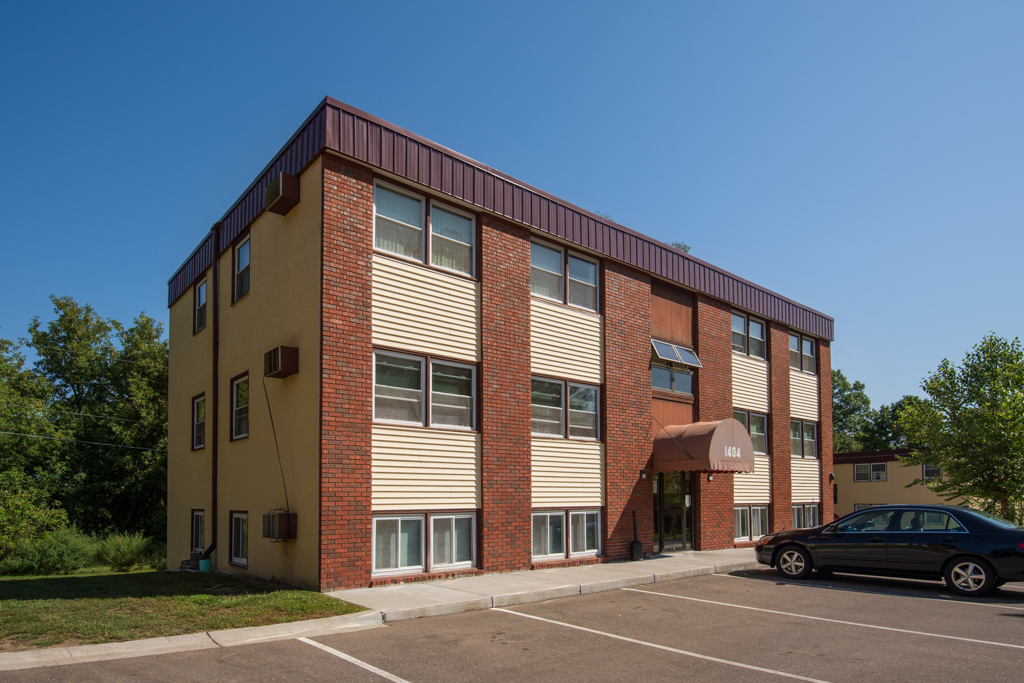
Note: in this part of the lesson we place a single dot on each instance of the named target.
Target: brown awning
(704, 447)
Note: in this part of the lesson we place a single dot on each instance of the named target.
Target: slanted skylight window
(675, 354)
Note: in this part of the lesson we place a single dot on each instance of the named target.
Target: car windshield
(999, 521)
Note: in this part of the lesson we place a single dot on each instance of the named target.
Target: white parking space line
(947, 601)
(833, 621)
(661, 647)
(353, 660)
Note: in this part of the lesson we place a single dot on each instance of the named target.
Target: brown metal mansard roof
(346, 130)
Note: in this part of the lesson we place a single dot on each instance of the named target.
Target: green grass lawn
(97, 606)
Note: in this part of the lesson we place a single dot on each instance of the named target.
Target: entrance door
(673, 512)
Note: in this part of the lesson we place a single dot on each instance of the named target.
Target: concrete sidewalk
(427, 599)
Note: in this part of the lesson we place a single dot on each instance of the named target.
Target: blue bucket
(204, 565)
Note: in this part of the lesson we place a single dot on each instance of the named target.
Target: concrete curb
(464, 599)
(59, 656)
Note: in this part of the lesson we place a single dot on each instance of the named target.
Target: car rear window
(998, 521)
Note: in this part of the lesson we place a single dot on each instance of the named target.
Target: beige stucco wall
(190, 358)
(281, 308)
(850, 493)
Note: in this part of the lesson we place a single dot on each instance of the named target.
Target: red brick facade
(780, 514)
(346, 358)
(825, 429)
(505, 521)
(713, 517)
(627, 399)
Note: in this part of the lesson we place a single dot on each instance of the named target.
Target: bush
(122, 552)
(62, 551)
(25, 512)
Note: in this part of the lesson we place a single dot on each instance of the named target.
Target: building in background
(871, 478)
(389, 362)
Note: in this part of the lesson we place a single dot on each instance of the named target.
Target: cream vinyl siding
(806, 477)
(425, 469)
(749, 383)
(567, 473)
(803, 396)
(565, 342)
(755, 487)
(420, 309)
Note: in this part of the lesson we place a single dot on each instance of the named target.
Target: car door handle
(878, 540)
(951, 538)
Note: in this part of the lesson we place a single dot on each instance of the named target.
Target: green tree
(108, 404)
(680, 245)
(25, 511)
(851, 410)
(24, 401)
(882, 430)
(972, 427)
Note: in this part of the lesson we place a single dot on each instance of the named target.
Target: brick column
(825, 429)
(346, 357)
(781, 514)
(505, 465)
(713, 516)
(627, 398)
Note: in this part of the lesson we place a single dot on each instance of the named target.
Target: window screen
(451, 240)
(398, 223)
(398, 389)
(451, 395)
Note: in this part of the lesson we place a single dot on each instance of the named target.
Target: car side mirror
(833, 529)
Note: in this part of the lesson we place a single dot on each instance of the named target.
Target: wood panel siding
(425, 469)
(421, 309)
(566, 342)
(671, 314)
(806, 477)
(754, 488)
(567, 473)
(665, 412)
(803, 395)
(749, 383)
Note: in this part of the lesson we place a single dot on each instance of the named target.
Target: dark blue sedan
(972, 550)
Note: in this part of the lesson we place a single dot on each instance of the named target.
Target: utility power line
(91, 443)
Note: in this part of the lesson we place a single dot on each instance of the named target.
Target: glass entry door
(673, 512)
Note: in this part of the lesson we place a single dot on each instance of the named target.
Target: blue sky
(865, 159)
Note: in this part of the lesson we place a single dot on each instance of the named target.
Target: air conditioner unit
(279, 526)
(282, 194)
(281, 362)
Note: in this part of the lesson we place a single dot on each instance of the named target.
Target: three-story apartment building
(398, 363)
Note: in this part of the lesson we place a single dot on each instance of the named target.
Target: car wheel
(793, 562)
(970, 576)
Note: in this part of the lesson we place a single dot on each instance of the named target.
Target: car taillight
(1021, 546)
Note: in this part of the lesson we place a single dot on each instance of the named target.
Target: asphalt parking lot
(745, 626)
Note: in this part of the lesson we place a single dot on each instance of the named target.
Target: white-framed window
(875, 471)
(408, 225)
(200, 306)
(240, 408)
(803, 439)
(584, 409)
(748, 335)
(857, 507)
(548, 401)
(801, 353)
(397, 388)
(240, 538)
(398, 219)
(451, 239)
(242, 269)
(549, 266)
(197, 531)
(582, 285)
(452, 401)
(805, 516)
(930, 472)
(402, 394)
(750, 522)
(452, 540)
(757, 427)
(584, 532)
(548, 534)
(198, 422)
(741, 523)
(397, 543)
